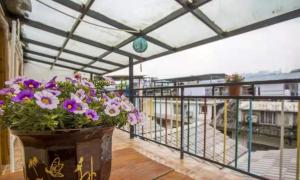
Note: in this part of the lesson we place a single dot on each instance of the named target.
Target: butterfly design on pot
(55, 168)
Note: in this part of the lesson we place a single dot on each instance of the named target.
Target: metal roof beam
(62, 33)
(251, 27)
(101, 56)
(158, 24)
(58, 65)
(74, 27)
(112, 22)
(201, 16)
(71, 52)
(64, 60)
(174, 15)
(31, 41)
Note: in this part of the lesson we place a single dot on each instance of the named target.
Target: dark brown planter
(71, 154)
(234, 90)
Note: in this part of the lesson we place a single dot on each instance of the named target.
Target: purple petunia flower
(1, 102)
(135, 117)
(81, 94)
(68, 79)
(88, 100)
(124, 98)
(127, 106)
(16, 88)
(112, 110)
(70, 105)
(6, 91)
(115, 101)
(23, 96)
(31, 84)
(109, 80)
(132, 119)
(95, 99)
(139, 116)
(17, 80)
(92, 114)
(87, 83)
(46, 100)
(54, 92)
(92, 92)
(81, 107)
(51, 84)
(105, 97)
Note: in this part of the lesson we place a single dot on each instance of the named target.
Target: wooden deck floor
(128, 164)
(161, 162)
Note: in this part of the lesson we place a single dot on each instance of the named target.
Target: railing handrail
(224, 97)
(191, 132)
(280, 81)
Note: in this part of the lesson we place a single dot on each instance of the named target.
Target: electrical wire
(105, 27)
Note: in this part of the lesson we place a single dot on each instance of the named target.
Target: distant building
(267, 121)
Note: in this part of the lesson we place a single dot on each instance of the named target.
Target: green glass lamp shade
(140, 45)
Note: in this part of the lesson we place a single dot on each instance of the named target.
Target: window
(269, 118)
(203, 109)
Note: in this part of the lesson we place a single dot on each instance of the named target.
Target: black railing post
(188, 130)
(181, 123)
(131, 99)
(155, 119)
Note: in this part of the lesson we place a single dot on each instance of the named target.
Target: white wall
(272, 90)
(42, 72)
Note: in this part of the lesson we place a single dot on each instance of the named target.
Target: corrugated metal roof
(266, 163)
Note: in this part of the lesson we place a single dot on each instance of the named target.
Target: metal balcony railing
(254, 133)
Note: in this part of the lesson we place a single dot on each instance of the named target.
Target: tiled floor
(190, 166)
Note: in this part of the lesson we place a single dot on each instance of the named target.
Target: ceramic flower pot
(70, 154)
(234, 90)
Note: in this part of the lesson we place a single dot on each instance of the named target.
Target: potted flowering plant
(65, 126)
(235, 89)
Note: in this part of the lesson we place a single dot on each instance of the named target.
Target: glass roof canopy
(54, 37)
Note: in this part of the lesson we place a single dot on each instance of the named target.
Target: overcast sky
(273, 48)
